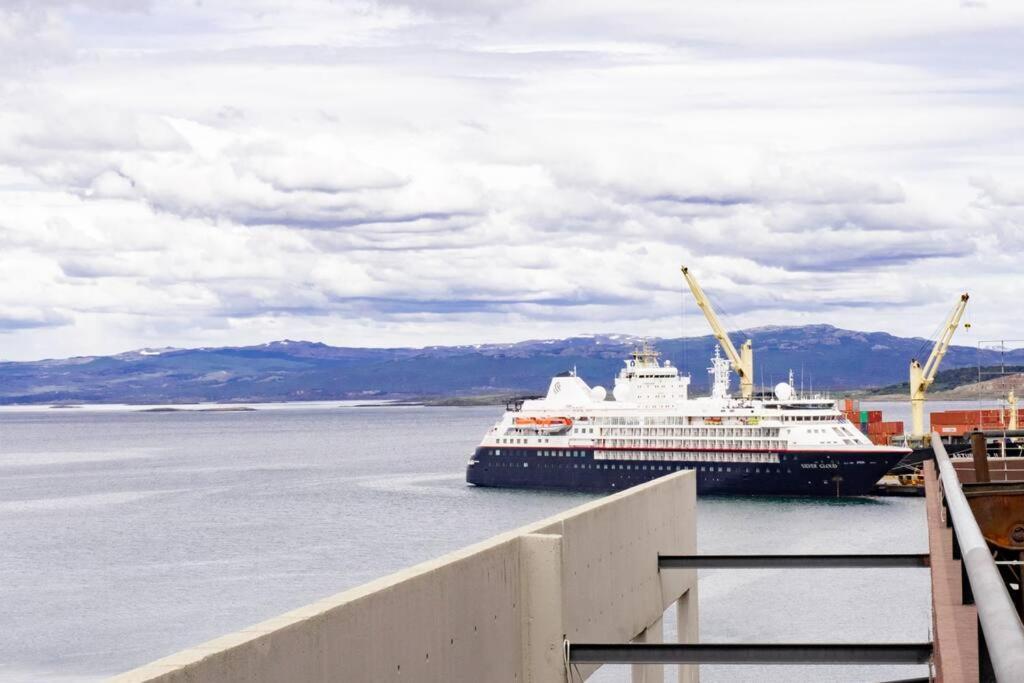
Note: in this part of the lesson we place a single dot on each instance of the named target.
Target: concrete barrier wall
(494, 611)
(613, 590)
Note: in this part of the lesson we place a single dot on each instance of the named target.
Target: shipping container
(889, 427)
(960, 417)
(959, 429)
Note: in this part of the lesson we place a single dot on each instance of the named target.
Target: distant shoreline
(193, 406)
(957, 394)
(215, 409)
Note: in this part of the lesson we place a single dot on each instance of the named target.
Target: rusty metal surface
(998, 508)
(1000, 469)
(979, 450)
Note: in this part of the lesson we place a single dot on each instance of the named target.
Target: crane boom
(742, 361)
(921, 377)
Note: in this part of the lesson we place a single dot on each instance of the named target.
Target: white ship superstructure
(785, 443)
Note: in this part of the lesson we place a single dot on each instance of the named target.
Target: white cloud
(408, 173)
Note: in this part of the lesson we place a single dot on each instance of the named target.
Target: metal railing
(859, 561)
(764, 653)
(1000, 626)
(749, 653)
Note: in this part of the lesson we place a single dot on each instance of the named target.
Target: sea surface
(129, 534)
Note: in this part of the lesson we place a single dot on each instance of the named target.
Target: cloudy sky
(390, 173)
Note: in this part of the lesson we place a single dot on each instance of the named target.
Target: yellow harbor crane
(742, 361)
(922, 377)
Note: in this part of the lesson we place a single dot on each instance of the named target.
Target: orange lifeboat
(545, 425)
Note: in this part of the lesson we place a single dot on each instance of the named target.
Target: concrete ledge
(494, 611)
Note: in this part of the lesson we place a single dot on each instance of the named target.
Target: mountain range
(824, 356)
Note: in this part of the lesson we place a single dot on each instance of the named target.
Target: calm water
(128, 535)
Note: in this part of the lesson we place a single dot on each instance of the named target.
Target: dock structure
(501, 610)
(975, 557)
(553, 601)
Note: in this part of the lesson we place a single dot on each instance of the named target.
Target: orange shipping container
(966, 427)
(954, 417)
(885, 428)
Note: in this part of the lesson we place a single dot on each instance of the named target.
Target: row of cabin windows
(657, 455)
(690, 456)
(659, 468)
(716, 432)
(683, 420)
(692, 431)
(523, 441)
(693, 443)
(547, 454)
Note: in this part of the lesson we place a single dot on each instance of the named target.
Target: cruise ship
(577, 438)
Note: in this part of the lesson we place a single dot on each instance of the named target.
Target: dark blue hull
(794, 473)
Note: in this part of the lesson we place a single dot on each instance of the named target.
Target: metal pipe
(980, 452)
(1003, 631)
(757, 653)
(806, 561)
(1000, 432)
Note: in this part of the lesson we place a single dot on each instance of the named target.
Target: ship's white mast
(719, 372)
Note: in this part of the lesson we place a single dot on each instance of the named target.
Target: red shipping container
(967, 427)
(956, 416)
(884, 427)
(961, 417)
